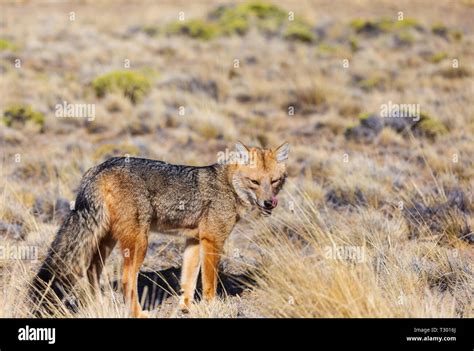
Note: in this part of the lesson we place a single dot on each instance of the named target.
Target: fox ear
(282, 152)
(242, 150)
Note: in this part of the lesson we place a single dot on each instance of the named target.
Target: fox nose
(269, 204)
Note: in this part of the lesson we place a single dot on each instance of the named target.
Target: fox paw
(184, 304)
(143, 314)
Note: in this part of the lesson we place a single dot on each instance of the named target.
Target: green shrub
(238, 19)
(261, 10)
(360, 25)
(299, 31)
(17, 116)
(439, 29)
(195, 28)
(430, 126)
(408, 23)
(132, 85)
(363, 115)
(231, 23)
(6, 45)
(438, 57)
(443, 31)
(354, 43)
(384, 25)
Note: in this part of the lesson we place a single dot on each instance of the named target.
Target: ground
(376, 217)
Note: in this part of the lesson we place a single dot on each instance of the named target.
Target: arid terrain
(376, 218)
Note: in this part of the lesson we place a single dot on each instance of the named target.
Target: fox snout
(270, 204)
(266, 206)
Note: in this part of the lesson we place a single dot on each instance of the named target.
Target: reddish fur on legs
(189, 273)
(133, 256)
(210, 256)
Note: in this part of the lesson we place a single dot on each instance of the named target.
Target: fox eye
(256, 182)
(274, 181)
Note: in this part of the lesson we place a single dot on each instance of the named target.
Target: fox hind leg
(129, 216)
(94, 271)
(133, 256)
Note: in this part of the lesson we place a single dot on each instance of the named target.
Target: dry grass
(359, 264)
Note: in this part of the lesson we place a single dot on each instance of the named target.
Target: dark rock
(370, 127)
(360, 134)
(399, 124)
(373, 123)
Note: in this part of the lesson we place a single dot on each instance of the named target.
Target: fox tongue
(274, 201)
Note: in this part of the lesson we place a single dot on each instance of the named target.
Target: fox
(124, 198)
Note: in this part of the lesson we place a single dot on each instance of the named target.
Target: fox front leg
(210, 256)
(189, 273)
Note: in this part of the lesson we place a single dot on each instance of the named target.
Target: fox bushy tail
(70, 254)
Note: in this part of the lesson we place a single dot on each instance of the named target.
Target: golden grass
(363, 265)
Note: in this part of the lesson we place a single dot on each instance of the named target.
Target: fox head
(259, 175)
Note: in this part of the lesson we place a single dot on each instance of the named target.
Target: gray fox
(122, 199)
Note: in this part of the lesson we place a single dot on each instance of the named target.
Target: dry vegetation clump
(6, 44)
(20, 116)
(372, 125)
(227, 20)
(132, 85)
